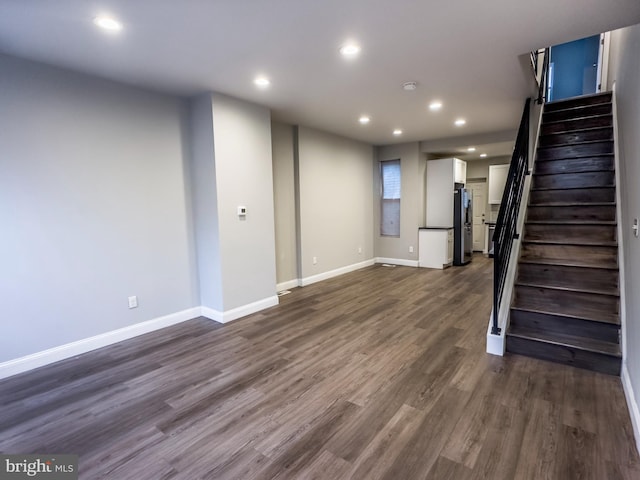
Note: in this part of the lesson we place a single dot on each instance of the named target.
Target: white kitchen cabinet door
(497, 180)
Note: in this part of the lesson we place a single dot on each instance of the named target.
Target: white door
(479, 195)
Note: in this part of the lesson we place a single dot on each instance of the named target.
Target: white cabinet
(459, 171)
(442, 175)
(435, 247)
(497, 179)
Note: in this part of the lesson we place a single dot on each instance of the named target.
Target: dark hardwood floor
(377, 374)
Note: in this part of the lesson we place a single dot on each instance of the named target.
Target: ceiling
(462, 52)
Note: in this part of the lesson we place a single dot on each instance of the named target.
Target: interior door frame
(468, 186)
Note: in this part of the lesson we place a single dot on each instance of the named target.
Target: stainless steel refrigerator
(462, 226)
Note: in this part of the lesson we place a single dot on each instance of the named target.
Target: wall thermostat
(242, 211)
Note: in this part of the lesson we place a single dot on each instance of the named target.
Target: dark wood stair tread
(587, 317)
(577, 187)
(565, 340)
(573, 144)
(594, 291)
(579, 243)
(550, 127)
(571, 222)
(565, 263)
(573, 204)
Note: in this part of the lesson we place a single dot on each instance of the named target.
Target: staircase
(565, 306)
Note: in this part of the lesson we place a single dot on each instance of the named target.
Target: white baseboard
(287, 285)
(398, 261)
(632, 404)
(52, 355)
(335, 273)
(45, 357)
(239, 312)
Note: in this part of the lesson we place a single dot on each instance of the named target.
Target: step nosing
(583, 142)
(576, 345)
(568, 289)
(589, 172)
(585, 129)
(585, 318)
(560, 263)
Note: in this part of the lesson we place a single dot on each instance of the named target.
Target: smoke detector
(410, 86)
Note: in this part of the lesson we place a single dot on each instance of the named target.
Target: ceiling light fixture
(397, 132)
(107, 23)
(409, 86)
(364, 119)
(262, 82)
(483, 155)
(471, 149)
(460, 122)
(435, 105)
(350, 50)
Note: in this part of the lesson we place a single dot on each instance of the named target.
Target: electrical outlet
(133, 302)
(315, 260)
(411, 249)
(360, 250)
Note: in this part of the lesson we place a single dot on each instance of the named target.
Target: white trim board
(288, 284)
(632, 404)
(335, 273)
(397, 261)
(62, 352)
(239, 312)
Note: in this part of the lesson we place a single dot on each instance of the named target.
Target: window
(390, 198)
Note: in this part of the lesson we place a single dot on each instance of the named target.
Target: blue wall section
(573, 68)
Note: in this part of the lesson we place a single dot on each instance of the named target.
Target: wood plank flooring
(377, 374)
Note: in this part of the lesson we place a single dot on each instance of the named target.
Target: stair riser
(576, 137)
(605, 213)
(581, 234)
(565, 355)
(590, 306)
(572, 151)
(588, 256)
(605, 332)
(605, 281)
(575, 165)
(578, 102)
(589, 111)
(572, 125)
(575, 180)
(600, 195)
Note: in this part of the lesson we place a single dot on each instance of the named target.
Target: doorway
(574, 68)
(478, 190)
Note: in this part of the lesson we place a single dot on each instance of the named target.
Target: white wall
(624, 70)
(242, 144)
(204, 196)
(284, 201)
(412, 202)
(93, 207)
(336, 212)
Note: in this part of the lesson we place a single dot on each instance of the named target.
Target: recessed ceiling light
(350, 50)
(364, 119)
(483, 155)
(409, 86)
(460, 122)
(397, 132)
(107, 23)
(262, 82)
(471, 149)
(435, 106)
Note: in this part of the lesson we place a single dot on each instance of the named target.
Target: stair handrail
(542, 77)
(505, 230)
